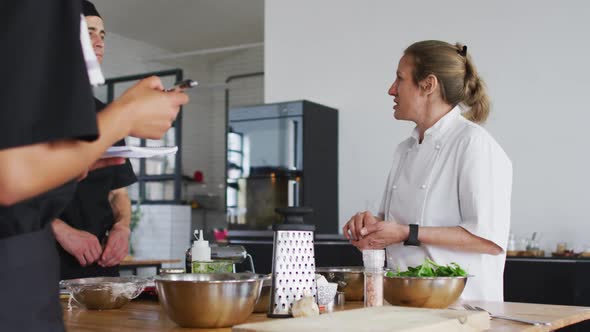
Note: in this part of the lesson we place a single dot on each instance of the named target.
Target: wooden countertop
(146, 315)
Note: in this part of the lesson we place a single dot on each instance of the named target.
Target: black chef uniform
(45, 96)
(91, 211)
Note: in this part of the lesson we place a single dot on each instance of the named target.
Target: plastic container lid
(374, 259)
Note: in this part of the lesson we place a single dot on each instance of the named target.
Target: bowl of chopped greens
(425, 286)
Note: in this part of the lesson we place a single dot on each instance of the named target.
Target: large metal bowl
(263, 303)
(350, 280)
(104, 292)
(423, 292)
(209, 300)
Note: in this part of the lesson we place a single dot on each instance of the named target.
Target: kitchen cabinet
(549, 281)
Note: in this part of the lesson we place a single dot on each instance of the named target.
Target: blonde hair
(457, 76)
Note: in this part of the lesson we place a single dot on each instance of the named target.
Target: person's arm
(143, 111)
(33, 169)
(121, 205)
(379, 235)
(117, 245)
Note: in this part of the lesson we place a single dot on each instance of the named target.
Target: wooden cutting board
(379, 319)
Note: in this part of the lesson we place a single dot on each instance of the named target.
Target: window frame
(142, 177)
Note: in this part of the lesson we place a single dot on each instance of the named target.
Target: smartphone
(186, 84)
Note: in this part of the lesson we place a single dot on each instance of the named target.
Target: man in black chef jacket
(48, 137)
(100, 205)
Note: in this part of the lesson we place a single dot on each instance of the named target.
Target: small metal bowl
(104, 292)
(327, 293)
(423, 292)
(350, 280)
(209, 300)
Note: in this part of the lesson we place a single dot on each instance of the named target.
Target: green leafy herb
(218, 266)
(431, 269)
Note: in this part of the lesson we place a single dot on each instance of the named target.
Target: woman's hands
(352, 229)
(366, 231)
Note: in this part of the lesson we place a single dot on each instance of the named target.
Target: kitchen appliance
(293, 264)
(235, 253)
(281, 155)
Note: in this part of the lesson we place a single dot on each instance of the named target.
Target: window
(159, 178)
(235, 166)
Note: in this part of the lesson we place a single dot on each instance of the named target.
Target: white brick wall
(204, 121)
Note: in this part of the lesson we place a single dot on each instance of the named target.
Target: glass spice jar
(373, 261)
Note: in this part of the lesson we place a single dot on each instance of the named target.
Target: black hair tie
(463, 51)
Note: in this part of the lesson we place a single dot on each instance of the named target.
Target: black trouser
(29, 283)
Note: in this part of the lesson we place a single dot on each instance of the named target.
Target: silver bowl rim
(179, 278)
(340, 269)
(427, 278)
(102, 281)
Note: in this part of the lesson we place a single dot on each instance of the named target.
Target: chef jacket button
(437, 147)
(394, 187)
(423, 186)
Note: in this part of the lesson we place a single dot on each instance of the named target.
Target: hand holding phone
(182, 85)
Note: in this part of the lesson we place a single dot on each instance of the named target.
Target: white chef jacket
(457, 176)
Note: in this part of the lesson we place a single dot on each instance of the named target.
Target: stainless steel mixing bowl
(350, 280)
(423, 292)
(104, 292)
(264, 300)
(209, 300)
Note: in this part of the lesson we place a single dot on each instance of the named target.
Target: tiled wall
(204, 121)
(163, 232)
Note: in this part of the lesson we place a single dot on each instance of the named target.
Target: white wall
(533, 55)
(126, 56)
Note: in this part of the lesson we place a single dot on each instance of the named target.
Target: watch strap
(412, 239)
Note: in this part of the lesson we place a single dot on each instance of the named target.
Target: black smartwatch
(412, 239)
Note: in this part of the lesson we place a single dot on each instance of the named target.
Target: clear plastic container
(374, 261)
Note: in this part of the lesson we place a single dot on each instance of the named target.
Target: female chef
(447, 196)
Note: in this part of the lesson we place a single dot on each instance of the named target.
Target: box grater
(293, 262)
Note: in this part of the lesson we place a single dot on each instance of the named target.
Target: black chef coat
(45, 95)
(91, 211)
